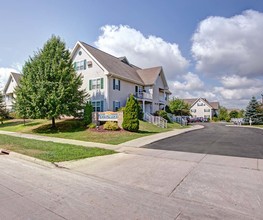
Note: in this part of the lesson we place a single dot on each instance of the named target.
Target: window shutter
(75, 65)
(119, 85)
(114, 106)
(85, 64)
(136, 89)
(101, 83)
(101, 106)
(90, 84)
(113, 84)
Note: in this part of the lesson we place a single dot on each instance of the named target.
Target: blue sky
(208, 48)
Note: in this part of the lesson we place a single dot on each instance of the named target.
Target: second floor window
(206, 110)
(116, 84)
(193, 110)
(96, 84)
(80, 65)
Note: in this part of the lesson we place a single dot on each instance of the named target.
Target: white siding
(92, 72)
(11, 87)
(126, 88)
(199, 107)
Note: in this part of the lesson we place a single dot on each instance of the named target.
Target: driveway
(216, 139)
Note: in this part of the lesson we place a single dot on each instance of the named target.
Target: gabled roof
(150, 75)
(215, 105)
(120, 67)
(15, 76)
(114, 65)
(191, 102)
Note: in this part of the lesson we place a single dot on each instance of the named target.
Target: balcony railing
(143, 95)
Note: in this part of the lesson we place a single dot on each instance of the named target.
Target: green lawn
(73, 129)
(49, 151)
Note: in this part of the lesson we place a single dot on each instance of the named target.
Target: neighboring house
(200, 107)
(9, 89)
(110, 80)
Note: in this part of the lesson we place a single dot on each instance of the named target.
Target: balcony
(143, 95)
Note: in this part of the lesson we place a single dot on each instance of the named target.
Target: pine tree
(252, 111)
(49, 86)
(3, 110)
(130, 115)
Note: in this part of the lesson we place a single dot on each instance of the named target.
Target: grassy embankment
(73, 129)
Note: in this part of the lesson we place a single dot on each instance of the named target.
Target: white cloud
(238, 94)
(238, 82)
(230, 45)
(191, 82)
(143, 51)
(4, 74)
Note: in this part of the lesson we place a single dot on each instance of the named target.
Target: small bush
(163, 114)
(13, 115)
(88, 113)
(110, 125)
(215, 119)
(92, 125)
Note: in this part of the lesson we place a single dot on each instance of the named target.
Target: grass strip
(50, 151)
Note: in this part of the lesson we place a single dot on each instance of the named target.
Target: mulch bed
(101, 130)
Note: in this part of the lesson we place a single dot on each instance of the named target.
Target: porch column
(143, 106)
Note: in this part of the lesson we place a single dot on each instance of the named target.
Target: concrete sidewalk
(134, 143)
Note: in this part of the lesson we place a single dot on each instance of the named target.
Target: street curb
(30, 159)
(243, 126)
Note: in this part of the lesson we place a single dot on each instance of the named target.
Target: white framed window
(116, 105)
(193, 110)
(97, 105)
(206, 110)
(80, 65)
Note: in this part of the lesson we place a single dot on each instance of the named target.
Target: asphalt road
(216, 139)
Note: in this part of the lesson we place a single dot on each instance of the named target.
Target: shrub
(130, 115)
(87, 118)
(92, 125)
(111, 125)
(140, 112)
(215, 119)
(13, 115)
(163, 114)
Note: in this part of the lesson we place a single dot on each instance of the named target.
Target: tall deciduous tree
(223, 114)
(49, 86)
(179, 107)
(233, 114)
(130, 115)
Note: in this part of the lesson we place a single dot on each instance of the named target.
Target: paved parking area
(216, 139)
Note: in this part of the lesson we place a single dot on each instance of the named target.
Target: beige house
(200, 107)
(110, 80)
(9, 89)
